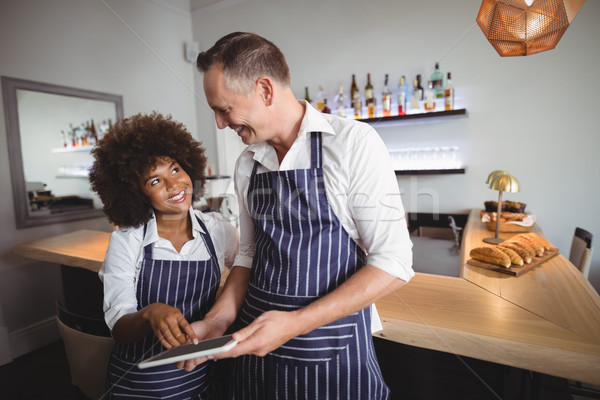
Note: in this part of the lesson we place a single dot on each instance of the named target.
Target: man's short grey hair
(245, 58)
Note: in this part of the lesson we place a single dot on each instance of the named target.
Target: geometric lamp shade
(524, 27)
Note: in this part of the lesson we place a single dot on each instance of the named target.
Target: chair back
(88, 354)
(581, 251)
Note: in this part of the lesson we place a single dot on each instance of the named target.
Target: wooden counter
(547, 320)
(83, 249)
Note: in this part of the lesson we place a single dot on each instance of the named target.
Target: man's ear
(265, 88)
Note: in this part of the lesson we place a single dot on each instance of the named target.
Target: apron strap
(254, 168)
(316, 159)
(207, 240)
(148, 247)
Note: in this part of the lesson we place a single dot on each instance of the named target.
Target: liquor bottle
(355, 98)
(306, 96)
(320, 99)
(340, 101)
(429, 104)
(402, 96)
(369, 98)
(437, 78)
(326, 110)
(415, 97)
(420, 88)
(449, 93)
(386, 98)
(94, 134)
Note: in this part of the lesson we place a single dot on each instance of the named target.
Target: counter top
(546, 320)
(83, 249)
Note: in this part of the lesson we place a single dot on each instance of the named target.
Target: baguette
(525, 256)
(490, 255)
(524, 244)
(538, 247)
(515, 258)
(542, 240)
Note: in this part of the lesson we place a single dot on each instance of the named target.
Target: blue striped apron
(191, 287)
(302, 253)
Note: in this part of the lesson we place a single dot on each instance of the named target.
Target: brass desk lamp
(501, 181)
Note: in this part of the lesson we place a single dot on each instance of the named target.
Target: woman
(164, 263)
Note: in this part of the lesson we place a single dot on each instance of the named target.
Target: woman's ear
(265, 88)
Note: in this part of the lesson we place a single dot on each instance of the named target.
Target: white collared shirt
(360, 185)
(122, 263)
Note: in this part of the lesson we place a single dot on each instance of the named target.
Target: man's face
(244, 114)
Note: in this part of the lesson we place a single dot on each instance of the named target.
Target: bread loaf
(524, 244)
(490, 255)
(525, 256)
(537, 246)
(543, 241)
(515, 258)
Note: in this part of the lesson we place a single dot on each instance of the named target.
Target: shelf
(423, 115)
(430, 171)
(72, 149)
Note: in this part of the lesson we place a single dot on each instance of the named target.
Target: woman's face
(168, 187)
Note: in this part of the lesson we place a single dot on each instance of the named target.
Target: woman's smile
(178, 198)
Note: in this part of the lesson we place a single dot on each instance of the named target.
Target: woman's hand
(168, 325)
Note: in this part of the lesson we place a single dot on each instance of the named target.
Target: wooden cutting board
(516, 270)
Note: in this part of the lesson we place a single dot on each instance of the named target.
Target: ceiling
(193, 5)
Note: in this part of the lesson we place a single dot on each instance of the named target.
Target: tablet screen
(188, 351)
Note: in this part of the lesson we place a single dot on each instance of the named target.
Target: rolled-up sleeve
(118, 274)
(376, 206)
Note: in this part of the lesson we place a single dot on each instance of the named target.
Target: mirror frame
(13, 137)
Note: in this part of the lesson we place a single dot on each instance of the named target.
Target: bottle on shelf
(340, 102)
(429, 104)
(415, 97)
(306, 96)
(386, 98)
(93, 134)
(449, 93)
(402, 96)
(320, 101)
(437, 78)
(369, 98)
(355, 98)
(421, 92)
(325, 110)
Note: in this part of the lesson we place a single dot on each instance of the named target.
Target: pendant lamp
(524, 27)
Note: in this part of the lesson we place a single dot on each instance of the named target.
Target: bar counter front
(546, 320)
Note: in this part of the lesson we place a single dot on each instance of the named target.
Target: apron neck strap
(316, 161)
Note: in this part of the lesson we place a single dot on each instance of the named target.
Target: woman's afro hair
(127, 151)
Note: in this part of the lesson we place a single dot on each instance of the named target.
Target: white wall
(534, 116)
(132, 48)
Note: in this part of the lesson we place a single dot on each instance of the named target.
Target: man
(323, 235)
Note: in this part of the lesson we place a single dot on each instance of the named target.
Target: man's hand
(205, 329)
(168, 325)
(266, 333)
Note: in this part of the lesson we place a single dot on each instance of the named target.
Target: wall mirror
(50, 131)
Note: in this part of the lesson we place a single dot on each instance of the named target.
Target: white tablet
(188, 351)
